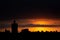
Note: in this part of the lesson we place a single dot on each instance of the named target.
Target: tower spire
(14, 21)
(14, 27)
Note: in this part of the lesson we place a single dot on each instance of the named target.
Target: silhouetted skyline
(27, 11)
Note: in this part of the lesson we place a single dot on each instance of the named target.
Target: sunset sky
(44, 12)
(31, 21)
(29, 9)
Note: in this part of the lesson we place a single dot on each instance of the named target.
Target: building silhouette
(14, 27)
(6, 31)
(25, 30)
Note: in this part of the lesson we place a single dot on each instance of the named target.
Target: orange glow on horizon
(44, 29)
(35, 29)
(36, 21)
(43, 22)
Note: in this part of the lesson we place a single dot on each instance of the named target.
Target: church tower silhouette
(14, 27)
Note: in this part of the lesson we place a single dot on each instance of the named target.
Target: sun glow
(42, 22)
(44, 29)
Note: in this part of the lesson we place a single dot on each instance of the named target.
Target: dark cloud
(29, 9)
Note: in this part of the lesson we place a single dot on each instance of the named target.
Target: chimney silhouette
(14, 27)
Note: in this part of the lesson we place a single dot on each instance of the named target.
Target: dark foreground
(30, 36)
